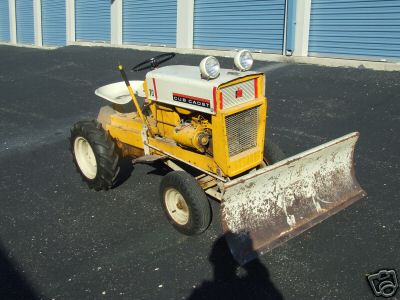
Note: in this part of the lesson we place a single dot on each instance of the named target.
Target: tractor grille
(241, 130)
(230, 96)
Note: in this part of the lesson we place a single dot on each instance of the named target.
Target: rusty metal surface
(206, 181)
(264, 209)
(145, 159)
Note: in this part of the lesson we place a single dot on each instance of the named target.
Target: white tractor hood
(183, 86)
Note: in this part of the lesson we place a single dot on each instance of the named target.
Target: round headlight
(209, 67)
(243, 60)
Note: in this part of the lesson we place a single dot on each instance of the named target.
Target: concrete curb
(322, 61)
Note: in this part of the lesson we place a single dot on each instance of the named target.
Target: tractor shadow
(232, 281)
(127, 167)
(13, 285)
(125, 171)
(159, 169)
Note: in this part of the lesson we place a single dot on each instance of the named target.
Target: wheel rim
(85, 157)
(176, 206)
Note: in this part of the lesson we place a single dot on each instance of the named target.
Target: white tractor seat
(118, 92)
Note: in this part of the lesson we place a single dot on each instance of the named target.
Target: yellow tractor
(208, 125)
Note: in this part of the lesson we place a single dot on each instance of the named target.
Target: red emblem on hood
(239, 93)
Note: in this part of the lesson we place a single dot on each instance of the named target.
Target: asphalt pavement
(60, 240)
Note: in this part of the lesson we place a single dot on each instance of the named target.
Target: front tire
(184, 203)
(94, 154)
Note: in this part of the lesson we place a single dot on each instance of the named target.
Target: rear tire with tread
(104, 150)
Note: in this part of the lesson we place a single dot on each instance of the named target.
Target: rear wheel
(184, 202)
(94, 154)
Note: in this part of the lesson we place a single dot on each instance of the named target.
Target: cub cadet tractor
(207, 125)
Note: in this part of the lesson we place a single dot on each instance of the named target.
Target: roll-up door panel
(53, 22)
(92, 20)
(24, 20)
(4, 21)
(256, 25)
(355, 28)
(149, 22)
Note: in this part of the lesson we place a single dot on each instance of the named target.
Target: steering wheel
(153, 62)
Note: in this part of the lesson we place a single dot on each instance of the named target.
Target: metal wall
(231, 24)
(4, 21)
(53, 22)
(25, 22)
(92, 20)
(355, 28)
(149, 22)
(290, 26)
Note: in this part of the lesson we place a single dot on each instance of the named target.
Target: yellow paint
(249, 159)
(135, 102)
(167, 119)
(239, 80)
(190, 135)
(232, 166)
(200, 160)
(183, 111)
(127, 129)
(128, 150)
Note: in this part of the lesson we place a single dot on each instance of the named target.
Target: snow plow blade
(266, 208)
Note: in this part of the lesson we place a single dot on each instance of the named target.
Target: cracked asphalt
(60, 240)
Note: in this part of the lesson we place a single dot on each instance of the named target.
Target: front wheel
(184, 202)
(94, 154)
